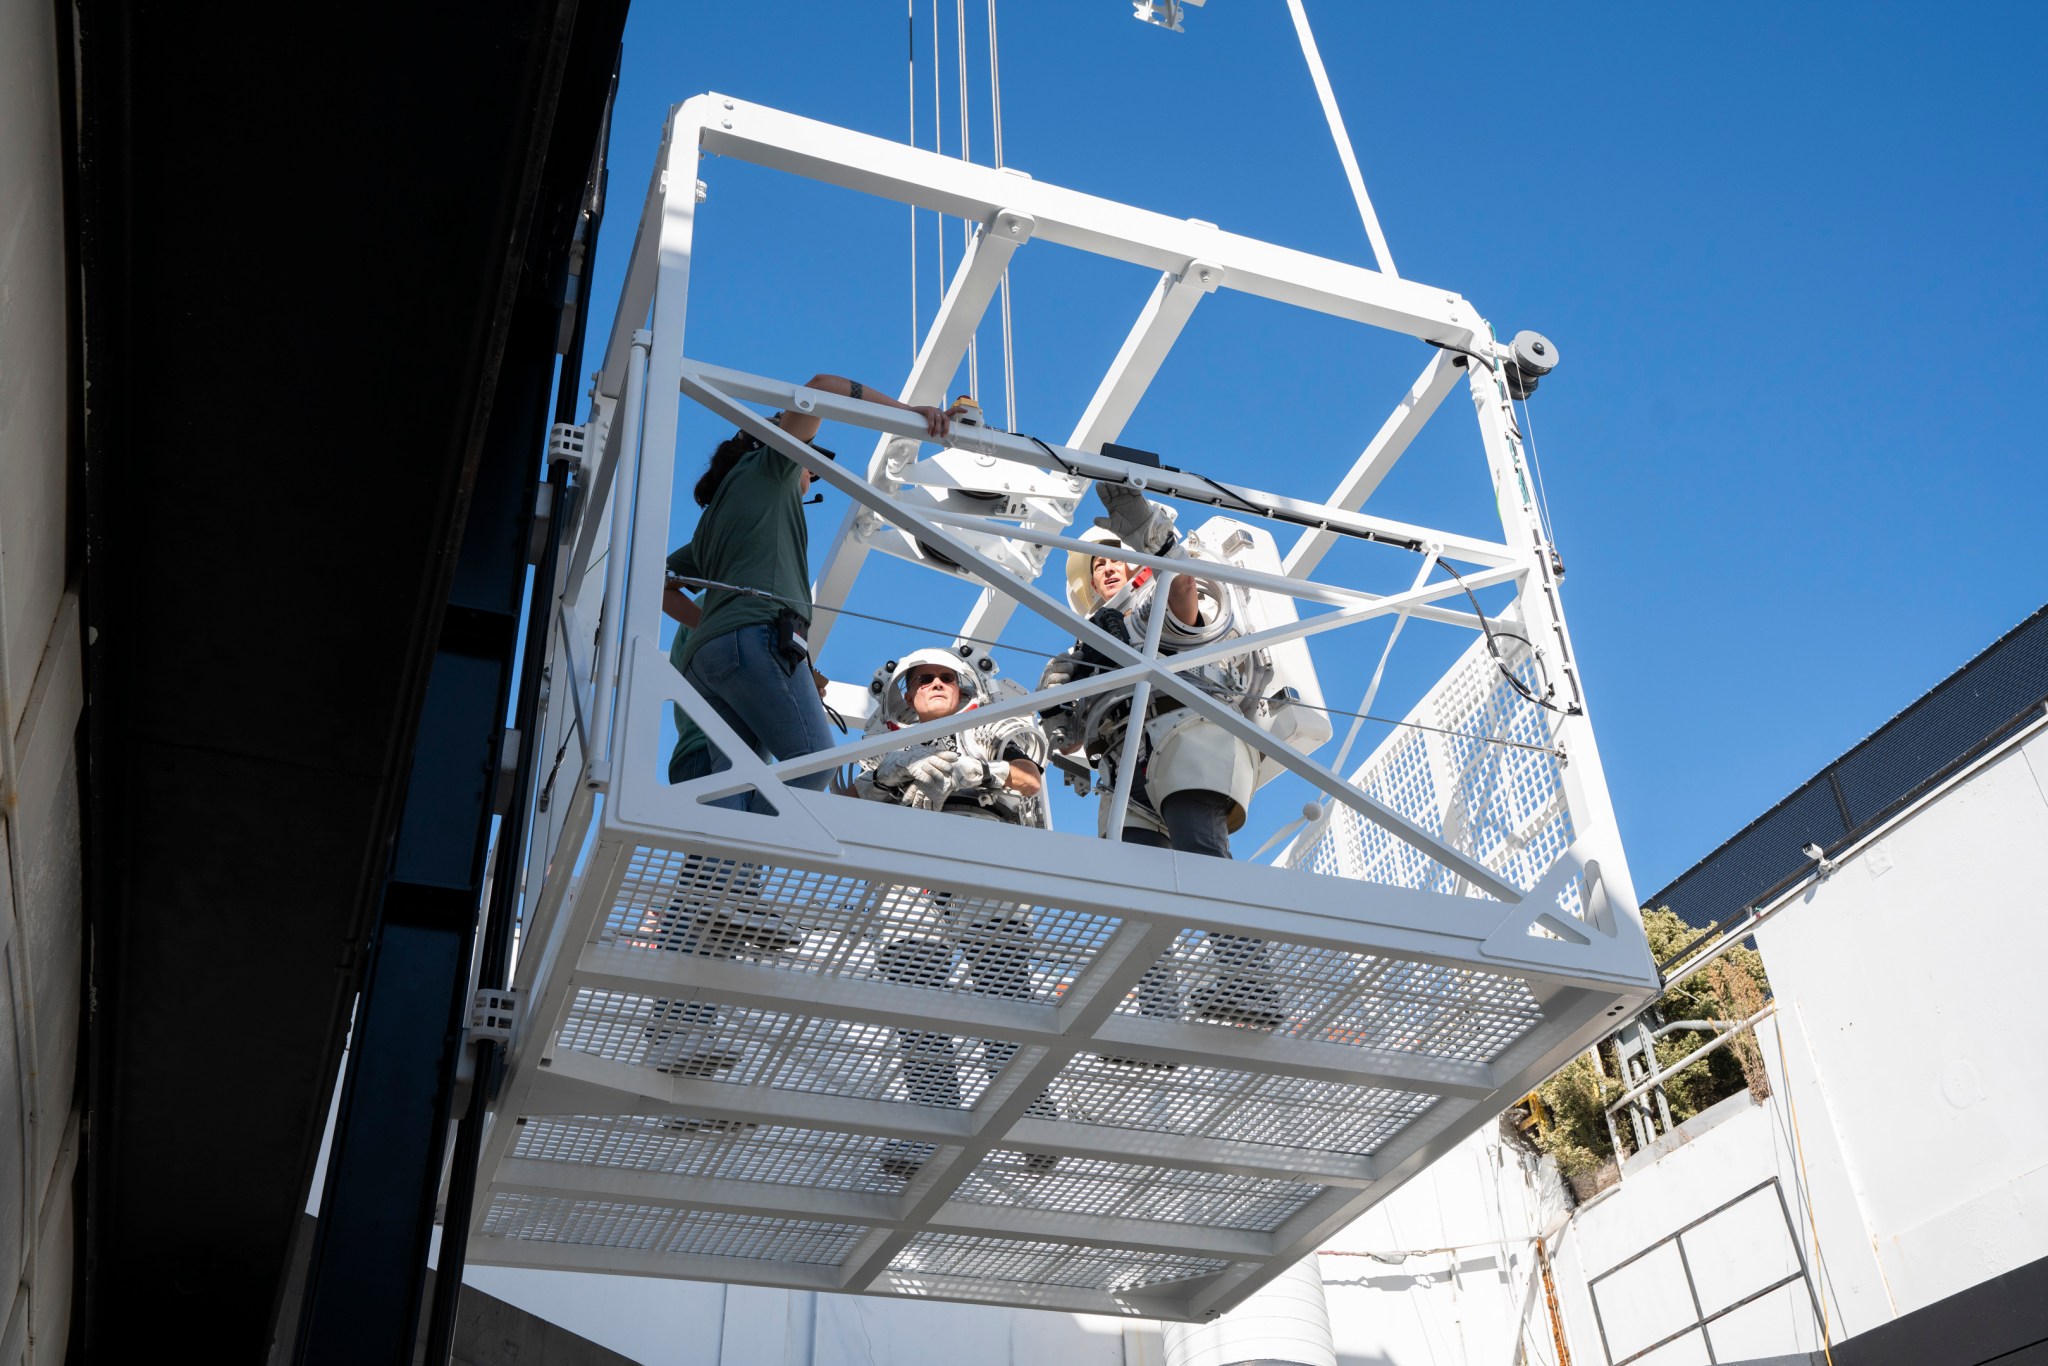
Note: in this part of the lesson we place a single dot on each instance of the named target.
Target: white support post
(1585, 780)
(1134, 723)
(611, 631)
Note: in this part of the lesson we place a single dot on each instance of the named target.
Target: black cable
(1057, 458)
(1493, 649)
(1242, 502)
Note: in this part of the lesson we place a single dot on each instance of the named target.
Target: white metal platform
(715, 1078)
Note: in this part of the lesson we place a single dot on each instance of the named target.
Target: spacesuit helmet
(890, 686)
(1081, 594)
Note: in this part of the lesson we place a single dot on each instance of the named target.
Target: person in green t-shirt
(743, 652)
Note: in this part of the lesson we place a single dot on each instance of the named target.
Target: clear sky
(1791, 256)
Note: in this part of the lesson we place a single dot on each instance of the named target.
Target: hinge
(493, 1014)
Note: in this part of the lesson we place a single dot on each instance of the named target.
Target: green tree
(1573, 1128)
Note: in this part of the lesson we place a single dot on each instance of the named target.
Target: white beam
(1102, 227)
(699, 377)
(668, 1190)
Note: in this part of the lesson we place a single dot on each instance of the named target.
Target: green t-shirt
(753, 534)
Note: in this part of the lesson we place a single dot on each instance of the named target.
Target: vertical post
(625, 493)
(1134, 726)
(1583, 777)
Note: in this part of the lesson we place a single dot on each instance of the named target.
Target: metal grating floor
(794, 1073)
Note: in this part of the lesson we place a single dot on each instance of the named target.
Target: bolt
(728, 104)
(725, 123)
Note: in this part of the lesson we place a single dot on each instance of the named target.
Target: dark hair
(722, 460)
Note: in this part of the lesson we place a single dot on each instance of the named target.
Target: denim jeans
(773, 708)
(1199, 823)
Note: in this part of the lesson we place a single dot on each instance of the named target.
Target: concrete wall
(1912, 978)
(41, 696)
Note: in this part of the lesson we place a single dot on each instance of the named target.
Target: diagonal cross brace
(1123, 677)
(700, 388)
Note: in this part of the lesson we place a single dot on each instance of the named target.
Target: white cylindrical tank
(1286, 1324)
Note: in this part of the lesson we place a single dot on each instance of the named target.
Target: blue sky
(1790, 256)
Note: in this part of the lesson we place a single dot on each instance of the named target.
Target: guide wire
(1528, 434)
(967, 227)
(995, 96)
(910, 26)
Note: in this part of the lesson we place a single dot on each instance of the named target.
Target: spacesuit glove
(893, 769)
(1134, 519)
(931, 781)
(980, 775)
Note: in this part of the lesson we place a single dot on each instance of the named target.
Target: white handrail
(625, 495)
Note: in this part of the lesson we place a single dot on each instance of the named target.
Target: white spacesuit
(988, 772)
(966, 772)
(1193, 778)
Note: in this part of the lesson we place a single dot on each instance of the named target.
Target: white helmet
(970, 668)
(1081, 594)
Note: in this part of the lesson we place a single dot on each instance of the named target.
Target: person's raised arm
(680, 606)
(804, 426)
(1025, 778)
(1184, 600)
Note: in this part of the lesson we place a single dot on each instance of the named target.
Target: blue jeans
(772, 707)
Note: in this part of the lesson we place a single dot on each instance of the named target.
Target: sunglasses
(917, 682)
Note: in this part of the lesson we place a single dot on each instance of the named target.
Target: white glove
(894, 768)
(1134, 519)
(980, 775)
(931, 780)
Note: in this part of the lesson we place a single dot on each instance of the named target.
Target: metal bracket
(494, 1014)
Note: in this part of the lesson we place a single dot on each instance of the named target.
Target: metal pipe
(1658, 1078)
(1677, 1026)
(625, 496)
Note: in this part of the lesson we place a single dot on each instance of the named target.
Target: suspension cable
(938, 146)
(966, 226)
(1528, 427)
(910, 49)
(1380, 251)
(995, 95)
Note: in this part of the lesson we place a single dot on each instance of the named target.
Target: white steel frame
(1565, 947)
